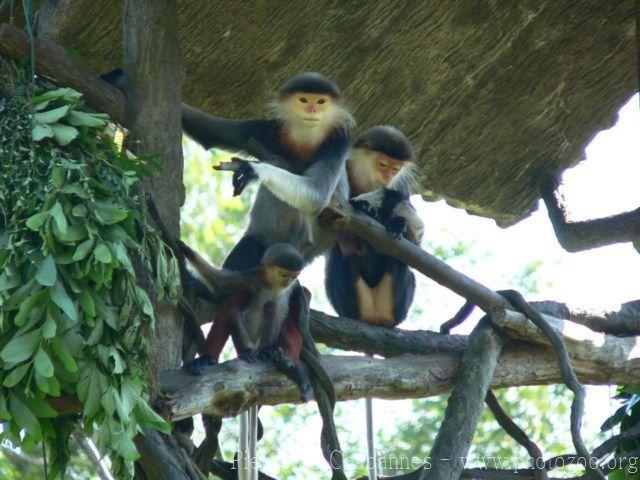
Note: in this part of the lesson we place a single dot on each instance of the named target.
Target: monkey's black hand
(243, 173)
(195, 367)
(396, 226)
(248, 355)
(271, 353)
(295, 372)
(364, 207)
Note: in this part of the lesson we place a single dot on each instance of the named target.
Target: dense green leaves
(72, 314)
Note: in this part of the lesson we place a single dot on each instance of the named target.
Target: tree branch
(625, 321)
(584, 235)
(353, 335)
(231, 387)
(343, 217)
(54, 62)
(465, 404)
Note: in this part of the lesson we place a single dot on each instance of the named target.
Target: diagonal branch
(340, 216)
(465, 404)
(583, 235)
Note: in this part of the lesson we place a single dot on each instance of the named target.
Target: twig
(515, 432)
(92, 453)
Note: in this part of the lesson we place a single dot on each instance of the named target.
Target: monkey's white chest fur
(254, 318)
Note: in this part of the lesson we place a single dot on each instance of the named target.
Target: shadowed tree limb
(584, 235)
(465, 404)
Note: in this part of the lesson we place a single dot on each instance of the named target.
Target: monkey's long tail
(324, 394)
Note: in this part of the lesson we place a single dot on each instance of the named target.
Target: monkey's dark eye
(303, 100)
(321, 101)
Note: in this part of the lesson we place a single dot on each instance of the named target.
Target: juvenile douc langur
(361, 283)
(254, 316)
(308, 128)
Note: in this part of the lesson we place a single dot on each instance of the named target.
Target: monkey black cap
(285, 256)
(386, 139)
(310, 82)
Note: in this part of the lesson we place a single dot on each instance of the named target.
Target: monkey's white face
(370, 169)
(279, 278)
(311, 108)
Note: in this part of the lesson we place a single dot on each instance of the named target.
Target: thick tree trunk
(153, 75)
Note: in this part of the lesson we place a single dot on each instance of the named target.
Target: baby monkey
(254, 315)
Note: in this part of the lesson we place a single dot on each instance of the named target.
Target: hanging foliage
(76, 249)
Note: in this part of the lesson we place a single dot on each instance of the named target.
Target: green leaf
(58, 176)
(26, 307)
(86, 302)
(16, 375)
(79, 210)
(73, 234)
(51, 116)
(43, 364)
(23, 416)
(40, 407)
(21, 348)
(41, 131)
(147, 416)
(79, 118)
(66, 93)
(108, 213)
(49, 328)
(9, 279)
(92, 403)
(58, 216)
(61, 351)
(102, 253)
(61, 298)
(46, 273)
(34, 222)
(64, 134)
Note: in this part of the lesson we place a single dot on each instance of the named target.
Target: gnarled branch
(584, 235)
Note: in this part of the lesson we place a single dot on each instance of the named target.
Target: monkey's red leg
(219, 333)
(290, 336)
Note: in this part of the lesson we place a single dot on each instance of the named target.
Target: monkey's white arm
(310, 193)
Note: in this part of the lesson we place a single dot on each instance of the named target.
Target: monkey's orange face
(385, 167)
(311, 107)
(279, 277)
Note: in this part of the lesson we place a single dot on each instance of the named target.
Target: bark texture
(153, 75)
(493, 94)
